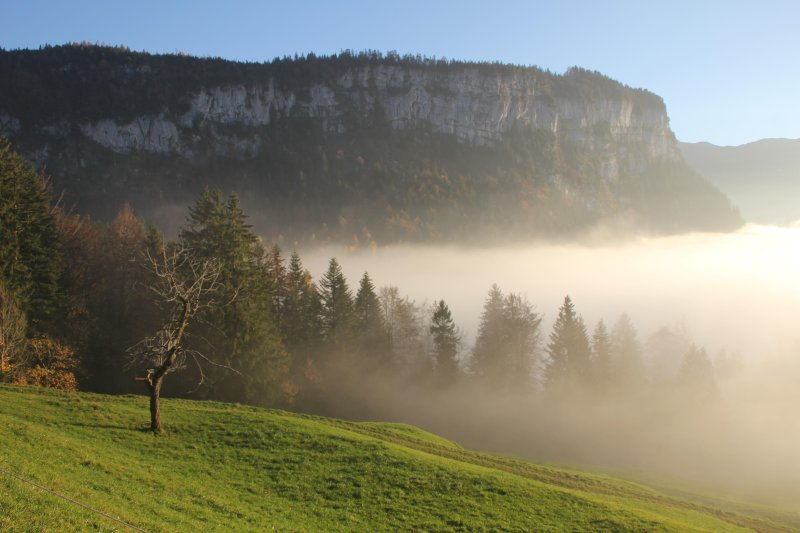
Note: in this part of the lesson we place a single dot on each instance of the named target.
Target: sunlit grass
(225, 467)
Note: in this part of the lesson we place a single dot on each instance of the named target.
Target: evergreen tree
(507, 343)
(445, 343)
(275, 270)
(243, 331)
(337, 308)
(301, 325)
(601, 356)
(489, 342)
(626, 353)
(30, 252)
(370, 329)
(521, 341)
(568, 350)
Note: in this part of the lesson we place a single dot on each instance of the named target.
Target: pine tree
(275, 270)
(445, 343)
(601, 356)
(507, 343)
(521, 342)
(301, 325)
(626, 353)
(370, 329)
(337, 308)
(489, 342)
(568, 350)
(30, 251)
(243, 331)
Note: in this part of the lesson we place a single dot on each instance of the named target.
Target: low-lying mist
(737, 295)
(738, 291)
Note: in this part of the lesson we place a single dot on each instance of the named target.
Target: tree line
(93, 305)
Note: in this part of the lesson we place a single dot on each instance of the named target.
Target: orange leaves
(52, 364)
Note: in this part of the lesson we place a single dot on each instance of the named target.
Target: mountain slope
(228, 467)
(355, 148)
(762, 178)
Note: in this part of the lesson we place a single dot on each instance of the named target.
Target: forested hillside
(762, 178)
(358, 148)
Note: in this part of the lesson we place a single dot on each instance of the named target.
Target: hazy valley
(522, 262)
(761, 178)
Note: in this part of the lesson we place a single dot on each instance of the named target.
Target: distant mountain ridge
(762, 177)
(356, 147)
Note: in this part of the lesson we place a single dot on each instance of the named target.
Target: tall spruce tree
(601, 357)
(242, 328)
(626, 352)
(30, 251)
(275, 270)
(445, 343)
(489, 342)
(337, 309)
(372, 337)
(569, 352)
(301, 326)
(507, 343)
(521, 343)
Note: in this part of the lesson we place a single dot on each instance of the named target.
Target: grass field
(225, 467)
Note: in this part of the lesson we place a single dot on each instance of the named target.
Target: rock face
(148, 133)
(99, 116)
(626, 129)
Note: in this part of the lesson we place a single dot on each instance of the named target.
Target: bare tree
(184, 285)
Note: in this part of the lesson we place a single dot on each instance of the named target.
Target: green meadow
(227, 467)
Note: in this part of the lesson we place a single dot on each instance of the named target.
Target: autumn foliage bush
(51, 364)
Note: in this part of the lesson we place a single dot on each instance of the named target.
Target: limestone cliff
(584, 136)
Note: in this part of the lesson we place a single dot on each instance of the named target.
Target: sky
(727, 70)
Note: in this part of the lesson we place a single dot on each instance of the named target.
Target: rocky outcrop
(148, 133)
(625, 128)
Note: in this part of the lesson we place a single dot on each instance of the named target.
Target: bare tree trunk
(155, 411)
(183, 284)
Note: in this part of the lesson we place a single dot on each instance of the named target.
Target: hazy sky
(727, 70)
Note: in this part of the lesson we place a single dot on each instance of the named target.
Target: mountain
(762, 178)
(360, 148)
(226, 467)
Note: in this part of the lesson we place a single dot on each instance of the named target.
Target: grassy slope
(227, 467)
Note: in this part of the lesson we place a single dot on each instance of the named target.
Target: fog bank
(739, 291)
